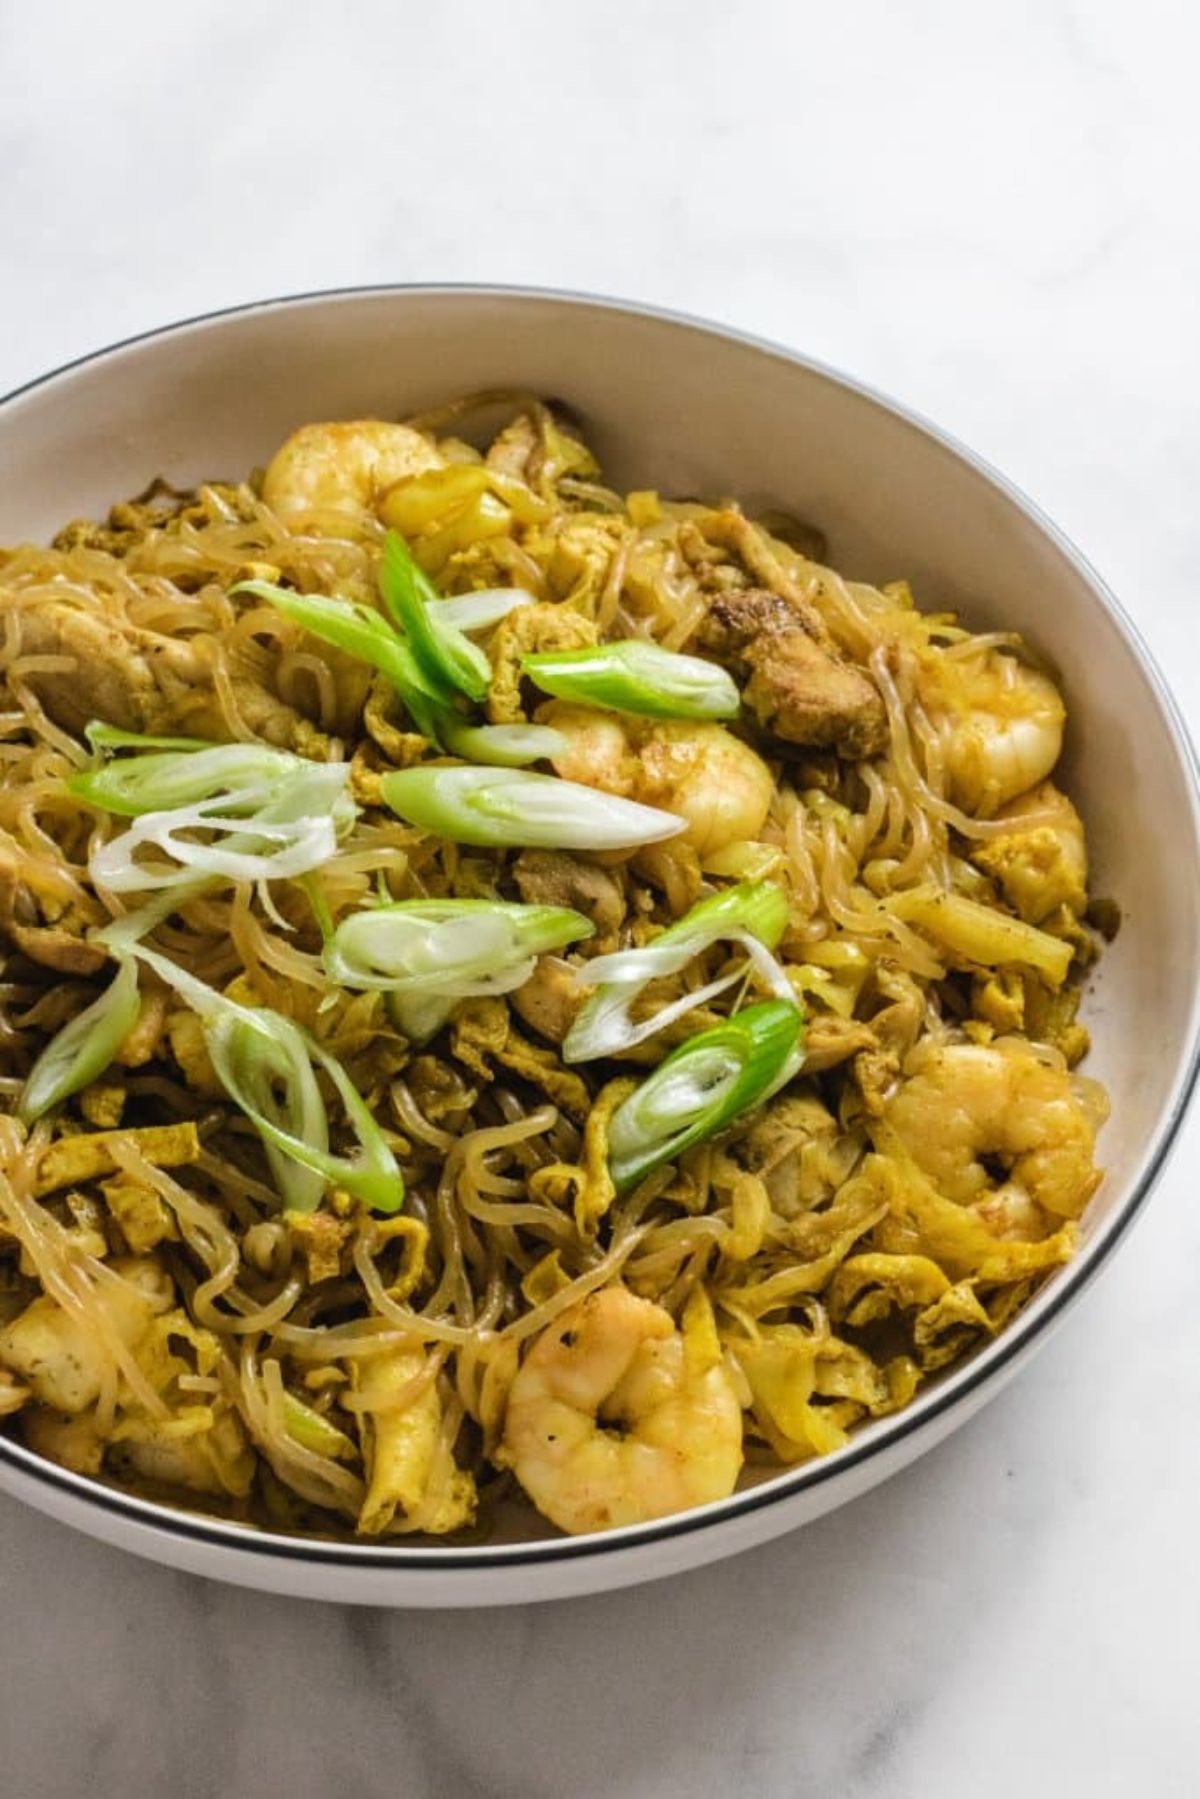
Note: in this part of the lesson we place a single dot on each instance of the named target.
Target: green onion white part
(265, 1063)
(752, 914)
(638, 677)
(428, 954)
(499, 746)
(703, 1086)
(501, 808)
(83, 1049)
(480, 610)
(264, 815)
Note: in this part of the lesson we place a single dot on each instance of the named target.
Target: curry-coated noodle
(511, 991)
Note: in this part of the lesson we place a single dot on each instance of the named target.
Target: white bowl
(690, 409)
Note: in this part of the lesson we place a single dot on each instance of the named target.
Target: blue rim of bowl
(873, 1440)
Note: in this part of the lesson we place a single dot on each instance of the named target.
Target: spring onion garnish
(447, 658)
(753, 914)
(182, 776)
(508, 807)
(265, 1063)
(102, 736)
(481, 610)
(422, 681)
(365, 633)
(702, 1086)
(83, 1049)
(264, 814)
(500, 746)
(635, 676)
(429, 954)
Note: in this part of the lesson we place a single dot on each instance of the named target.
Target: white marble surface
(990, 211)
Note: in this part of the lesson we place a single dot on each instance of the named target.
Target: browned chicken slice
(142, 681)
(797, 685)
(556, 878)
(549, 999)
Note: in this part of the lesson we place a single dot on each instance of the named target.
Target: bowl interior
(671, 405)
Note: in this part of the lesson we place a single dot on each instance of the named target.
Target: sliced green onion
(447, 657)
(426, 955)
(83, 1049)
(265, 1063)
(753, 914)
(361, 632)
(102, 736)
(502, 807)
(500, 746)
(312, 1430)
(703, 1086)
(276, 816)
(429, 954)
(243, 775)
(636, 676)
(481, 610)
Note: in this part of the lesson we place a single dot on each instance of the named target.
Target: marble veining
(988, 211)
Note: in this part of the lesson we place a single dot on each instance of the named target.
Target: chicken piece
(796, 683)
(74, 1160)
(556, 878)
(529, 628)
(142, 681)
(549, 999)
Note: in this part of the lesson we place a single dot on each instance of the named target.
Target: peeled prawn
(999, 726)
(967, 1105)
(701, 772)
(615, 1417)
(344, 467)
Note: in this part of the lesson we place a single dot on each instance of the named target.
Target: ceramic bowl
(689, 409)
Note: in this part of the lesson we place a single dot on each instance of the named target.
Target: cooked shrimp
(613, 1418)
(702, 772)
(966, 1105)
(344, 467)
(999, 725)
(1042, 868)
